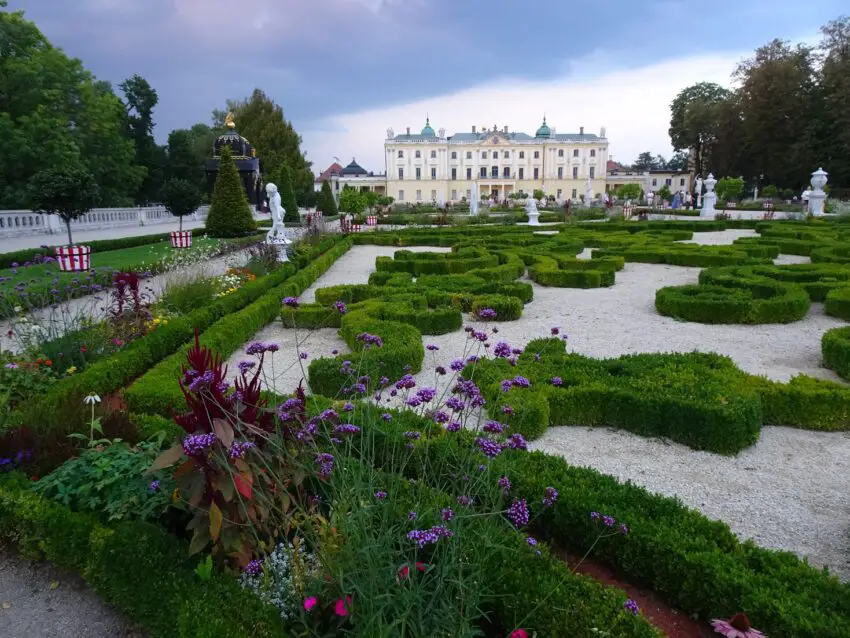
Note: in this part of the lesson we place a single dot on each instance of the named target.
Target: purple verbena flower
(254, 567)
(386, 416)
(154, 486)
(502, 349)
(517, 442)
(380, 495)
(608, 521)
(518, 512)
(531, 541)
(487, 313)
(440, 417)
(432, 347)
(326, 463)
(550, 496)
(631, 607)
(340, 306)
(494, 427)
(346, 428)
(413, 435)
(464, 500)
(555, 331)
(505, 484)
(292, 302)
(238, 449)
(454, 426)
(429, 536)
(489, 448)
(447, 514)
(245, 366)
(303, 355)
(457, 365)
(196, 444)
(557, 381)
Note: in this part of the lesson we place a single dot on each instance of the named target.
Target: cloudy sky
(346, 70)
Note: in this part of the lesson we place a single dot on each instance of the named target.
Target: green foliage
(629, 191)
(385, 200)
(111, 483)
(693, 116)
(835, 348)
(507, 308)
(181, 197)
(769, 191)
(188, 292)
(68, 191)
(664, 193)
(352, 201)
(371, 198)
(837, 302)
(327, 203)
(230, 214)
(140, 100)
(538, 193)
(729, 188)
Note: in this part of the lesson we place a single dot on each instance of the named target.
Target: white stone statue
(473, 199)
(277, 235)
(817, 196)
(710, 198)
(698, 189)
(588, 191)
(531, 211)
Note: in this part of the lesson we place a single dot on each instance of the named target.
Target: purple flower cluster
(407, 382)
(154, 486)
(478, 336)
(292, 302)
(328, 415)
(411, 516)
(441, 417)
(370, 340)
(631, 607)
(303, 355)
(413, 435)
(456, 404)
(454, 426)
(244, 366)
(258, 347)
(557, 381)
(447, 514)
(380, 495)
(518, 512)
(550, 496)
(517, 442)
(386, 416)
(494, 427)
(555, 331)
(531, 541)
(432, 347)
(464, 500)
(504, 484)
(426, 394)
(340, 306)
(238, 449)
(346, 428)
(487, 313)
(326, 463)
(502, 349)
(424, 537)
(457, 365)
(254, 567)
(489, 448)
(195, 444)
(203, 382)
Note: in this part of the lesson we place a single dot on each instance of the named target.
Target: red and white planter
(372, 220)
(355, 228)
(181, 238)
(73, 258)
(732, 204)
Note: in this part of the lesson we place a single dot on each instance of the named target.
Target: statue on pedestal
(698, 191)
(588, 191)
(277, 235)
(531, 211)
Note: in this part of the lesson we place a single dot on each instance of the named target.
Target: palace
(432, 167)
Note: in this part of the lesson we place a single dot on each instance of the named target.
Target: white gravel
(788, 491)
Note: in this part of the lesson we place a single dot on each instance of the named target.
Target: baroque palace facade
(430, 166)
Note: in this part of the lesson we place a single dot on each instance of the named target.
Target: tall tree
(281, 179)
(182, 161)
(647, 161)
(776, 90)
(140, 100)
(833, 99)
(693, 118)
(678, 163)
(52, 113)
(326, 202)
(262, 122)
(230, 215)
(69, 191)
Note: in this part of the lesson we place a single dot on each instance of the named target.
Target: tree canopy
(69, 191)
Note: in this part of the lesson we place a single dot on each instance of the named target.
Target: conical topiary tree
(230, 213)
(327, 203)
(287, 195)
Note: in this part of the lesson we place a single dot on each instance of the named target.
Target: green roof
(428, 131)
(544, 130)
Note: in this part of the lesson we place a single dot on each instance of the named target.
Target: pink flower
(310, 602)
(738, 626)
(404, 572)
(519, 633)
(341, 606)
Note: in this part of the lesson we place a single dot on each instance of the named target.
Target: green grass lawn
(38, 281)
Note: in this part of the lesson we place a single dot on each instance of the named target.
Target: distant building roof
(615, 166)
(330, 171)
(353, 170)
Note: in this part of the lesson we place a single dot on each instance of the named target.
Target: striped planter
(372, 220)
(73, 258)
(181, 238)
(355, 228)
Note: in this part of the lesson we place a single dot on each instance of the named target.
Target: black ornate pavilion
(246, 160)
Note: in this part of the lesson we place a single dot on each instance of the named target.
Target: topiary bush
(230, 214)
(835, 348)
(837, 302)
(507, 308)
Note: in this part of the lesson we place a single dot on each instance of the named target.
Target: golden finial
(228, 121)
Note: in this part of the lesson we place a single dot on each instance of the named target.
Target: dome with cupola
(353, 170)
(544, 130)
(240, 148)
(428, 131)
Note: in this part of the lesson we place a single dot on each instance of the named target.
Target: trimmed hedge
(157, 392)
(143, 571)
(816, 279)
(507, 308)
(835, 348)
(837, 302)
(737, 301)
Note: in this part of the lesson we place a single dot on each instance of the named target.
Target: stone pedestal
(532, 212)
(277, 237)
(817, 196)
(710, 198)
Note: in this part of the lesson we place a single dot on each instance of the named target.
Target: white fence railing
(16, 223)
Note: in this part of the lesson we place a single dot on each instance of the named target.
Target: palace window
(494, 171)
(469, 173)
(575, 172)
(522, 173)
(401, 196)
(454, 173)
(483, 154)
(536, 173)
(536, 154)
(433, 196)
(592, 172)
(401, 153)
(433, 154)
(574, 194)
(454, 154)
(522, 154)
(506, 172)
(668, 181)
(418, 196)
(483, 172)
(682, 182)
(495, 154)
(655, 182)
(418, 173)
(418, 154)
(454, 195)
(593, 152)
(558, 196)
(560, 172)
(560, 152)
(506, 154)
(575, 154)
(433, 173)
(401, 173)
(469, 155)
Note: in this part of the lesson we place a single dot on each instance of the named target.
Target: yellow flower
(71, 370)
(157, 320)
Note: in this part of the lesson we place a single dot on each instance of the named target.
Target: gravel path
(768, 492)
(38, 600)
